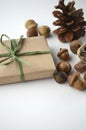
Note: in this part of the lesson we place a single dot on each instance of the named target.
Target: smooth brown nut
(44, 30)
(74, 46)
(31, 32)
(30, 24)
(79, 84)
(73, 78)
(60, 77)
(64, 66)
(80, 66)
(82, 52)
(85, 75)
(63, 54)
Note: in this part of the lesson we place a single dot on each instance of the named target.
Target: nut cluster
(80, 49)
(71, 26)
(64, 68)
(34, 30)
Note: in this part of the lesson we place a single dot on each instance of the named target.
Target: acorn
(60, 77)
(79, 84)
(63, 54)
(73, 77)
(31, 27)
(76, 82)
(75, 45)
(80, 66)
(64, 66)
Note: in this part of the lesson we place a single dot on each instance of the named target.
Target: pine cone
(70, 20)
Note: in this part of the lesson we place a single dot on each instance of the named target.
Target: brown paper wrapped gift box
(41, 66)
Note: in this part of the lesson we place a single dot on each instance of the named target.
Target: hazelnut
(30, 23)
(85, 75)
(64, 66)
(63, 54)
(82, 52)
(31, 27)
(80, 66)
(74, 46)
(44, 30)
(76, 82)
(60, 77)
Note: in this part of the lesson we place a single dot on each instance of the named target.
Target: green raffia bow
(14, 55)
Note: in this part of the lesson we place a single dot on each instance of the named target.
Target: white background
(41, 104)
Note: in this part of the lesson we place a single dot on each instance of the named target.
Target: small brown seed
(64, 66)
(60, 77)
(74, 46)
(63, 54)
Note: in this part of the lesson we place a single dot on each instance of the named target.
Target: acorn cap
(30, 24)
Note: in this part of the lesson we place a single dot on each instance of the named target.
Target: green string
(14, 55)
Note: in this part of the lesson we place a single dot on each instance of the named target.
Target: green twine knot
(14, 54)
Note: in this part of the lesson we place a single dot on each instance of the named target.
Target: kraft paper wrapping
(41, 66)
